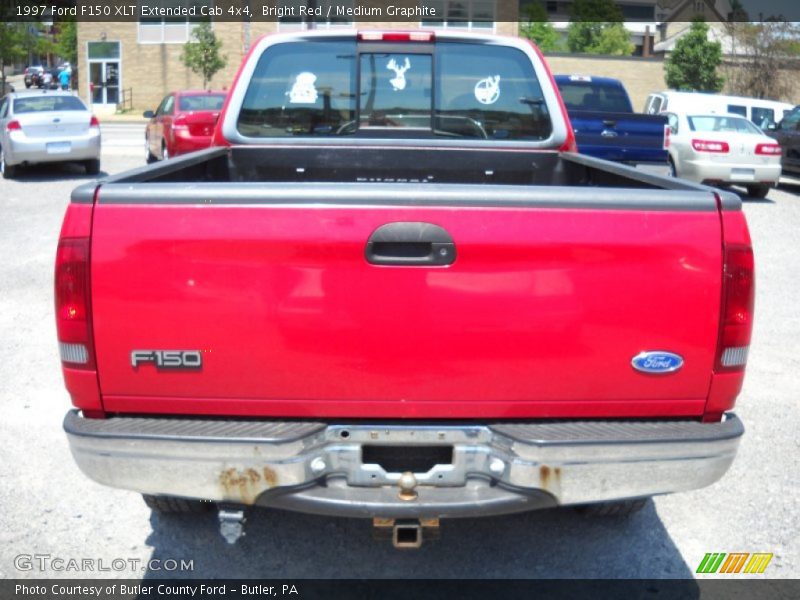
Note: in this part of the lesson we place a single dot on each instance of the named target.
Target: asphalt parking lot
(47, 507)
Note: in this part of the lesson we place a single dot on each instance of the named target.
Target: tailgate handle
(410, 243)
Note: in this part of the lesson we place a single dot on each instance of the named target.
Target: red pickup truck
(393, 290)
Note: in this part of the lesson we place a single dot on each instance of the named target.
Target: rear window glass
(726, 124)
(458, 90)
(204, 102)
(47, 103)
(580, 95)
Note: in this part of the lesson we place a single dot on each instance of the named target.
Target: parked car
(347, 308)
(183, 122)
(723, 149)
(31, 76)
(606, 126)
(762, 113)
(47, 127)
(48, 79)
(787, 133)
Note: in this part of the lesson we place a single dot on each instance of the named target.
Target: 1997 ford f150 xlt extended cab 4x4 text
(395, 291)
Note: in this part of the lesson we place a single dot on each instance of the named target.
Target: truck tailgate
(622, 137)
(552, 293)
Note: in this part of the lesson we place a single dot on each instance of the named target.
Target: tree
(764, 55)
(596, 27)
(11, 48)
(67, 41)
(614, 40)
(202, 55)
(537, 28)
(693, 64)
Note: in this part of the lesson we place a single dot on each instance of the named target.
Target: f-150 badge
(657, 362)
(168, 359)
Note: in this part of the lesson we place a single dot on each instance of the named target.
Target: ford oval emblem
(657, 362)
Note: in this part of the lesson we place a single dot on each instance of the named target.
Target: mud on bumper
(320, 468)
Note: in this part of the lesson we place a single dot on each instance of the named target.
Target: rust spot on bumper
(245, 485)
(549, 477)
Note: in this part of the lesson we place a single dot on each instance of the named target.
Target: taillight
(711, 146)
(396, 36)
(13, 126)
(73, 318)
(768, 149)
(738, 296)
(180, 122)
(667, 136)
(94, 122)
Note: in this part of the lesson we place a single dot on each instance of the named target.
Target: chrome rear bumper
(318, 467)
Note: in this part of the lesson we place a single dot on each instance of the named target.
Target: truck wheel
(8, 171)
(758, 191)
(92, 166)
(623, 508)
(170, 505)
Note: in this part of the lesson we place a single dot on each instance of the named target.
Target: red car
(182, 123)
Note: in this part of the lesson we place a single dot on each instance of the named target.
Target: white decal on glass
(487, 91)
(399, 80)
(303, 91)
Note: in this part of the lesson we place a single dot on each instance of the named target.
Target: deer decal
(399, 80)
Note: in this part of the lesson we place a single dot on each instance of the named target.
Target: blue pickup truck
(606, 126)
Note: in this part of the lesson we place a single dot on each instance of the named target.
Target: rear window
(47, 104)
(587, 95)
(724, 124)
(329, 88)
(204, 102)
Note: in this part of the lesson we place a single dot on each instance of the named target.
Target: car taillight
(711, 146)
(768, 149)
(180, 122)
(94, 122)
(738, 297)
(13, 126)
(667, 136)
(396, 36)
(73, 318)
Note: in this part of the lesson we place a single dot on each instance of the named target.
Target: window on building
(173, 29)
(333, 14)
(478, 15)
(638, 12)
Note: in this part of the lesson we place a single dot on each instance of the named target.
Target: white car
(47, 127)
(722, 149)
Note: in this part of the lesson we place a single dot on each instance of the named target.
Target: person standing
(64, 78)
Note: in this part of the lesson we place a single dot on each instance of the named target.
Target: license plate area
(743, 174)
(402, 458)
(59, 147)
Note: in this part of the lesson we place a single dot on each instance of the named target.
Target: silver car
(47, 127)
